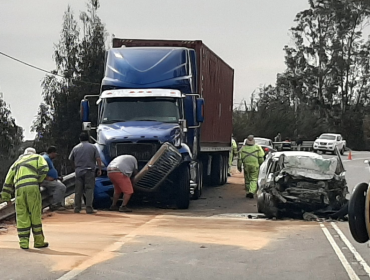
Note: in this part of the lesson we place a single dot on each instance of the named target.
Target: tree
(11, 136)
(79, 59)
(325, 87)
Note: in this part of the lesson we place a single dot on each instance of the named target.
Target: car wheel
(356, 213)
(342, 151)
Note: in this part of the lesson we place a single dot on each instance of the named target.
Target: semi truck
(168, 103)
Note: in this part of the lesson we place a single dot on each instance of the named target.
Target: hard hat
(29, 151)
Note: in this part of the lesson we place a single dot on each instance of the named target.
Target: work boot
(249, 195)
(45, 245)
(91, 211)
(77, 211)
(114, 208)
(57, 207)
(124, 209)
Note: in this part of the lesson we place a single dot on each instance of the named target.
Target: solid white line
(102, 255)
(351, 273)
(346, 160)
(352, 249)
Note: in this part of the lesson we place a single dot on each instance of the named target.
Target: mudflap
(103, 193)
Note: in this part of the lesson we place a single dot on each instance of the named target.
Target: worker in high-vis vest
(250, 157)
(24, 177)
(232, 155)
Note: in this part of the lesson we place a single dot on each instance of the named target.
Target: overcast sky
(248, 34)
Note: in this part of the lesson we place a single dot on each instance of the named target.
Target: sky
(247, 34)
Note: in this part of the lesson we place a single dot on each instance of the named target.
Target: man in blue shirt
(53, 182)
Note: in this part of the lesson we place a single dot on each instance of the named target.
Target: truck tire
(216, 172)
(182, 187)
(356, 213)
(342, 151)
(225, 167)
(199, 189)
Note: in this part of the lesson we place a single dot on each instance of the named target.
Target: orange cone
(350, 155)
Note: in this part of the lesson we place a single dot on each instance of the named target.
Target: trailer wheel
(198, 190)
(216, 173)
(223, 170)
(356, 213)
(182, 187)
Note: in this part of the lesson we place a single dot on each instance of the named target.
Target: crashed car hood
(309, 167)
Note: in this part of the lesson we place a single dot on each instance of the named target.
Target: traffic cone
(350, 155)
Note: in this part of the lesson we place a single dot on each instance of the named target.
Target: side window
(338, 138)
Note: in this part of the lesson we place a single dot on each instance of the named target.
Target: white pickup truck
(328, 141)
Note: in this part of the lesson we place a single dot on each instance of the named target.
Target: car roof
(331, 134)
(297, 154)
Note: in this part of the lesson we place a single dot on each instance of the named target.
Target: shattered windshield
(140, 109)
(327, 137)
(310, 167)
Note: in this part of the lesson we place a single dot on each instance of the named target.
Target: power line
(43, 70)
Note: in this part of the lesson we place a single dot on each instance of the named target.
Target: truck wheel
(342, 151)
(199, 189)
(182, 187)
(356, 213)
(216, 172)
(225, 168)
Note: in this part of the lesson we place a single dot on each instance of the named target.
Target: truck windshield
(327, 137)
(122, 109)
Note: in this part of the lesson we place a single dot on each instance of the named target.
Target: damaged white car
(294, 184)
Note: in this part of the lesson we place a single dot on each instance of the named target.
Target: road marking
(352, 249)
(105, 253)
(351, 273)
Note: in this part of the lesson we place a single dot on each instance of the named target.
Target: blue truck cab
(150, 100)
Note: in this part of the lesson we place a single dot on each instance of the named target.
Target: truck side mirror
(200, 110)
(85, 110)
(86, 126)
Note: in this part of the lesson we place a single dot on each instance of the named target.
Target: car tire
(182, 188)
(356, 213)
(342, 151)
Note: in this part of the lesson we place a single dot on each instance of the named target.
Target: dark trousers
(85, 184)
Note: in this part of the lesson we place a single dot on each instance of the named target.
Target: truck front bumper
(157, 169)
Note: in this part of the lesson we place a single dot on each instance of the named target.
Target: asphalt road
(214, 239)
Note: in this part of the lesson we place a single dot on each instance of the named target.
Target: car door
(339, 142)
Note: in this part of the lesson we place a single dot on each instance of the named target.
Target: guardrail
(68, 181)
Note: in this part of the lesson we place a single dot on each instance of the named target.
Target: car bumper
(323, 148)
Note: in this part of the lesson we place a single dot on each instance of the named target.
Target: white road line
(352, 249)
(104, 254)
(351, 273)
(347, 160)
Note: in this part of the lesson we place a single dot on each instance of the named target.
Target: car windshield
(263, 142)
(327, 137)
(123, 109)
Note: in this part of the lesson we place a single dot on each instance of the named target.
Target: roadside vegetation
(325, 87)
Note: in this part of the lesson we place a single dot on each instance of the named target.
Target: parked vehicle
(293, 183)
(158, 92)
(265, 143)
(328, 142)
(359, 211)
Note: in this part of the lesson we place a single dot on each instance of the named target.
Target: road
(214, 239)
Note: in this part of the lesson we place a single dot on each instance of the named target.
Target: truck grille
(158, 168)
(141, 151)
(323, 143)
